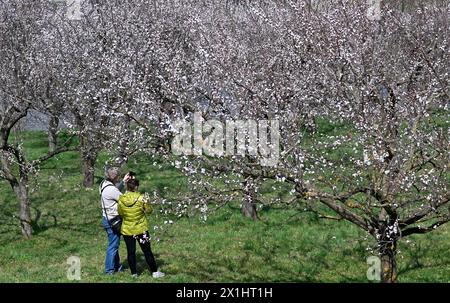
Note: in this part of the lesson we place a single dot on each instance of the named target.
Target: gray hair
(112, 173)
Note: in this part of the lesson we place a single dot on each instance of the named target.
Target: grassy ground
(283, 246)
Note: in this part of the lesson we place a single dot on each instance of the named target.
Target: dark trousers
(130, 241)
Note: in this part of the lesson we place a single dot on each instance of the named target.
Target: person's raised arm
(121, 184)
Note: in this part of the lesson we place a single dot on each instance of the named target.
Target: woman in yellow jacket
(132, 208)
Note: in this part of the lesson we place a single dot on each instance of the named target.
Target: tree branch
(64, 148)
(424, 230)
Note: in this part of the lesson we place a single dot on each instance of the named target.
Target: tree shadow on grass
(41, 223)
(141, 264)
(213, 267)
(418, 254)
(6, 236)
(41, 226)
(44, 222)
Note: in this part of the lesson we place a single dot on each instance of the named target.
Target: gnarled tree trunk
(21, 190)
(124, 144)
(88, 165)
(89, 154)
(250, 198)
(53, 133)
(389, 233)
(310, 123)
(388, 262)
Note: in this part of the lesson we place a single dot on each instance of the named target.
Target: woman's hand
(127, 178)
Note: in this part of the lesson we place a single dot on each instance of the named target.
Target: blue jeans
(112, 261)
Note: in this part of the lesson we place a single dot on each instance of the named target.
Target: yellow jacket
(132, 209)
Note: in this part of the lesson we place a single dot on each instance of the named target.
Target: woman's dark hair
(132, 184)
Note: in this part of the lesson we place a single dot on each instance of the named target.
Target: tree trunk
(20, 188)
(388, 262)
(25, 209)
(250, 199)
(310, 124)
(388, 236)
(88, 165)
(124, 143)
(53, 133)
(89, 154)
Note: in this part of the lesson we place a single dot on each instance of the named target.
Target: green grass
(284, 246)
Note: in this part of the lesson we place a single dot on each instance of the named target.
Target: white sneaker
(158, 274)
